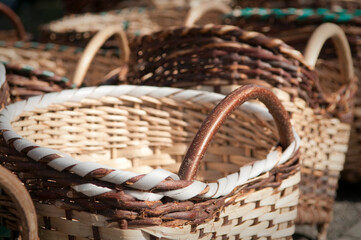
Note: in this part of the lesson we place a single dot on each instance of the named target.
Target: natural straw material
(77, 64)
(126, 138)
(17, 211)
(220, 58)
(295, 27)
(78, 29)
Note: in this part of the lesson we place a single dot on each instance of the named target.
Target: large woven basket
(78, 29)
(77, 64)
(97, 163)
(220, 58)
(294, 27)
(19, 32)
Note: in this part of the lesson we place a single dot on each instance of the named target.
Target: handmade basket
(127, 138)
(294, 27)
(220, 58)
(77, 64)
(17, 211)
(19, 32)
(78, 29)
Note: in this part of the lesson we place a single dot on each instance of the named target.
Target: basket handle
(195, 13)
(19, 27)
(220, 113)
(15, 189)
(317, 40)
(94, 45)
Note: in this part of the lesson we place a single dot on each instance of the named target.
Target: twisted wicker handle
(94, 45)
(195, 13)
(15, 20)
(317, 40)
(24, 205)
(220, 113)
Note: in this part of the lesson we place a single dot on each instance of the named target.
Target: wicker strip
(19, 32)
(295, 27)
(126, 126)
(220, 58)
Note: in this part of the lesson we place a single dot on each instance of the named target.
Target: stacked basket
(294, 27)
(220, 58)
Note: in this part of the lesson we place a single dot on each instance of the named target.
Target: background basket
(142, 129)
(220, 58)
(78, 29)
(77, 64)
(19, 32)
(295, 27)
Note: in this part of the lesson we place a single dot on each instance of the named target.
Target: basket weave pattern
(143, 128)
(206, 54)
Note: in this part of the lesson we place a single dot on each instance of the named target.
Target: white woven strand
(223, 186)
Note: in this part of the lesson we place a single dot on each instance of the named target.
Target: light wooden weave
(142, 129)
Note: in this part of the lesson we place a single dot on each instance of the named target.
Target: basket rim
(222, 187)
(338, 16)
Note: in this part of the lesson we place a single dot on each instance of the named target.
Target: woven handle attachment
(95, 44)
(23, 203)
(195, 13)
(318, 39)
(220, 113)
(15, 21)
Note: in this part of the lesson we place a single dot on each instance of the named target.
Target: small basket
(78, 29)
(12, 35)
(295, 27)
(77, 64)
(220, 58)
(126, 139)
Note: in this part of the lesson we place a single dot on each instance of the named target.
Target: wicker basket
(127, 139)
(79, 65)
(219, 58)
(19, 32)
(17, 211)
(295, 27)
(78, 29)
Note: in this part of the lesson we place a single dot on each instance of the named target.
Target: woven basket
(77, 64)
(127, 139)
(295, 27)
(17, 211)
(78, 29)
(219, 58)
(19, 32)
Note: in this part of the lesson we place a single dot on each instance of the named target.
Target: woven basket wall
(137, 130)
(219, 58)
(295, 28)
(78, 29)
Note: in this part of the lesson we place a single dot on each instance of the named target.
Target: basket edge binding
(119, 177)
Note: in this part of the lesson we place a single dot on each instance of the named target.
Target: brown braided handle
(318, 39)
(195, 13)
(15, 21)
(95, 44)
(24, 205)
(220, 113)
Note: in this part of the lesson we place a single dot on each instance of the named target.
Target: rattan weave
(220, 58)
(119, 132)
(80, 66)
(295, 27)
(78, 29)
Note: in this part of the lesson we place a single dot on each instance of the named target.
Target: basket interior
(140, 134)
